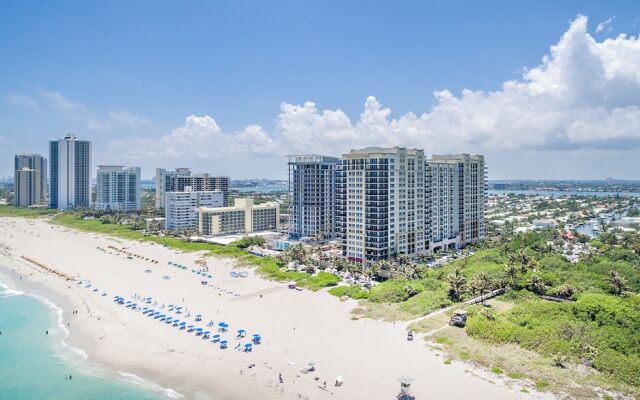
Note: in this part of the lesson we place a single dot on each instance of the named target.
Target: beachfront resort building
(118, 188)
(380, 200)
(311, 196)
(389, 201)
(30, 180)
(243, 217)
(181, 208)
(456, 195)
(181, 178)
(70, 173)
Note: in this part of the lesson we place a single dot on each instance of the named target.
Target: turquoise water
(560, 193)
(33, 365)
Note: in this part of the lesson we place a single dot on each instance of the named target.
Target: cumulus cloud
(198, 138)
(605, 25)
(53, 101)
(584, 94)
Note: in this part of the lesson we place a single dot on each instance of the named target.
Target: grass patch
(497, 370)
(10, 211)
(352, 291)
(515, 375)
(447, 361)
(541, 385)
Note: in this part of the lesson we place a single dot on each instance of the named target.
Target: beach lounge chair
(198, 331)
(176, 322)
(191, 328)
(248, 347)
(256, 339)
(241, 333)
(215, 338)
(223, 344)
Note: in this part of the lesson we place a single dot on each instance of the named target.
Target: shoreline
(299, 327)
(76, 357)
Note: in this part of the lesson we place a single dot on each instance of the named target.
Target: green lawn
(10, 211)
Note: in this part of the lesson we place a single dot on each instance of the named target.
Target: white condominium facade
(181, 208)
(70, 173)
(380, 203)
(181, 178)
(30, 180)
(243, 217)
(118, 188)
(456, 197)
(311, 196)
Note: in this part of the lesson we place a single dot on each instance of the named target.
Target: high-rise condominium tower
(380, 203)
(118, 188)
(311, 196)
(181, 178)
(30, 180)
(70, 171)
(456, 194)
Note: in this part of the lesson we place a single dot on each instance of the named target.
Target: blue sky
(128, 75)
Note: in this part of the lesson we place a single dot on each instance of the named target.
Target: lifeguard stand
(405, 389)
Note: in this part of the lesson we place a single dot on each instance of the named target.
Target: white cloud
(126, 118)
(605, 25)
(198, 138)
(584, 94)
(57, 103)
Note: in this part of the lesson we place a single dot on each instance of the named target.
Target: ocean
(36, 365)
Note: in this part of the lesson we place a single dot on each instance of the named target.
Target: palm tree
(511, 271)
(480, 284)
(535, 284)
(523, 257)
(617, 282)
(456, 284)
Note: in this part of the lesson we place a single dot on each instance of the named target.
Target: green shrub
(352, 291)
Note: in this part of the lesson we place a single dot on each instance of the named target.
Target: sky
(545, 89)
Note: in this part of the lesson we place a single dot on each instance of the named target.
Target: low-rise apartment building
(243, 217)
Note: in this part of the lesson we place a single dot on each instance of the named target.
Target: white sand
(297, 327)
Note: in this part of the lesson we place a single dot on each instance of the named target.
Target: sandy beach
(297, 327)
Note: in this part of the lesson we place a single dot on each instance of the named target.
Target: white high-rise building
(311, 196)
(118, 188)
(380, 203)
(456, 195)
(30, 180)
(70, 169)
(181, 178)
(181, 208)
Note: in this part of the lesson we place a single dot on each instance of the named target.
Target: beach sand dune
(297, 327)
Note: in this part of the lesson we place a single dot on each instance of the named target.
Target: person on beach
(47, 332)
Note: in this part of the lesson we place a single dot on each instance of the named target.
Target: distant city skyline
(230, 88)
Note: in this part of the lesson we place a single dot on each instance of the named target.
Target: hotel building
(30, 180)
(181, 208)
(311, 196)
(118, 188)
(181, 178)
(243, 217)
(70, 173)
